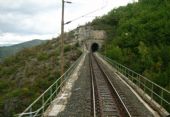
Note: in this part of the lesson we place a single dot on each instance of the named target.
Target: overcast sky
(23, 20)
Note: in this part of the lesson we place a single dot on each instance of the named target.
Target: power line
(88, 13)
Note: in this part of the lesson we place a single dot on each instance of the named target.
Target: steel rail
(146, 84)
(95, 80)
(125, 109)
(114, 89)
(93, 89)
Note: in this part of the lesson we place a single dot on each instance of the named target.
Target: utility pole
(62, 36)
(62, 39)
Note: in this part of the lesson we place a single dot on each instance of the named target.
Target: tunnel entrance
(94, 47)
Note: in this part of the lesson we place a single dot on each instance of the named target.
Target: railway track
(106, 102)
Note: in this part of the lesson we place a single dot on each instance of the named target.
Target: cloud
(27, 6)
(30, 18)
(6, 38)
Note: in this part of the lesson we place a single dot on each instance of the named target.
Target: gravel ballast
(135, 106)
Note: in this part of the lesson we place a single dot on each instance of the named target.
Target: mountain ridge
(6, 51)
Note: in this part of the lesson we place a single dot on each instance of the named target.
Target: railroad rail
(106, 102)
(155, 95)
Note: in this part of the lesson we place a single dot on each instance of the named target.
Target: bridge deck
(78, 103)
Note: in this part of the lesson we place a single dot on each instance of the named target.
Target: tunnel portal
(94, 47)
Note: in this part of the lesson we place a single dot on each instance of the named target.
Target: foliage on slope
(26, 75)
(139, 37)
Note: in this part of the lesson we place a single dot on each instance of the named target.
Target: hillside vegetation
(26, 75)
(12, 50)
(139, 37)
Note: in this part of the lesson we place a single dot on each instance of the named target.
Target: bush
(67, 48)
(115, 53)
(42, 56)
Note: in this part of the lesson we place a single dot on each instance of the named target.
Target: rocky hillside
(12, 50)
(26, 75)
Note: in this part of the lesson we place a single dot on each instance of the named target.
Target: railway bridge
(96, 86)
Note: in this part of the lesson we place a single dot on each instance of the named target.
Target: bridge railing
(38, 107)
(156, 92)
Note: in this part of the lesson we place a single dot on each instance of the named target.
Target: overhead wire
(102, 7)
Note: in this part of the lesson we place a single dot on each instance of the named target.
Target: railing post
(30, 112)
(132, 76)
(127, 73)
(124, 71)
(56, 88)
(51, 90)
(43, 103)
(139, 81)
(162, 97)
(120, 69)
(64, 77)
(144, 86)
(116, 66)
(152, 92)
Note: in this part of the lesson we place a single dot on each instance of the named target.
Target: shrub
(42, 56)
(67, 48)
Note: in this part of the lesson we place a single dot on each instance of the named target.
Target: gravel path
(79, 104)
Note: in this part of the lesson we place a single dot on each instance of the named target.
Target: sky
(24, 20)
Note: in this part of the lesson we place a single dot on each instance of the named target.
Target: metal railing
(38, 107)
(156, 92)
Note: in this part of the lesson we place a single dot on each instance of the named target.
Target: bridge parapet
(156, 96)
(38, 107)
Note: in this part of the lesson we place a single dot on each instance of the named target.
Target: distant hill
(12, 50)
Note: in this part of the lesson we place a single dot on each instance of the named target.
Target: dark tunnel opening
(94, 47)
